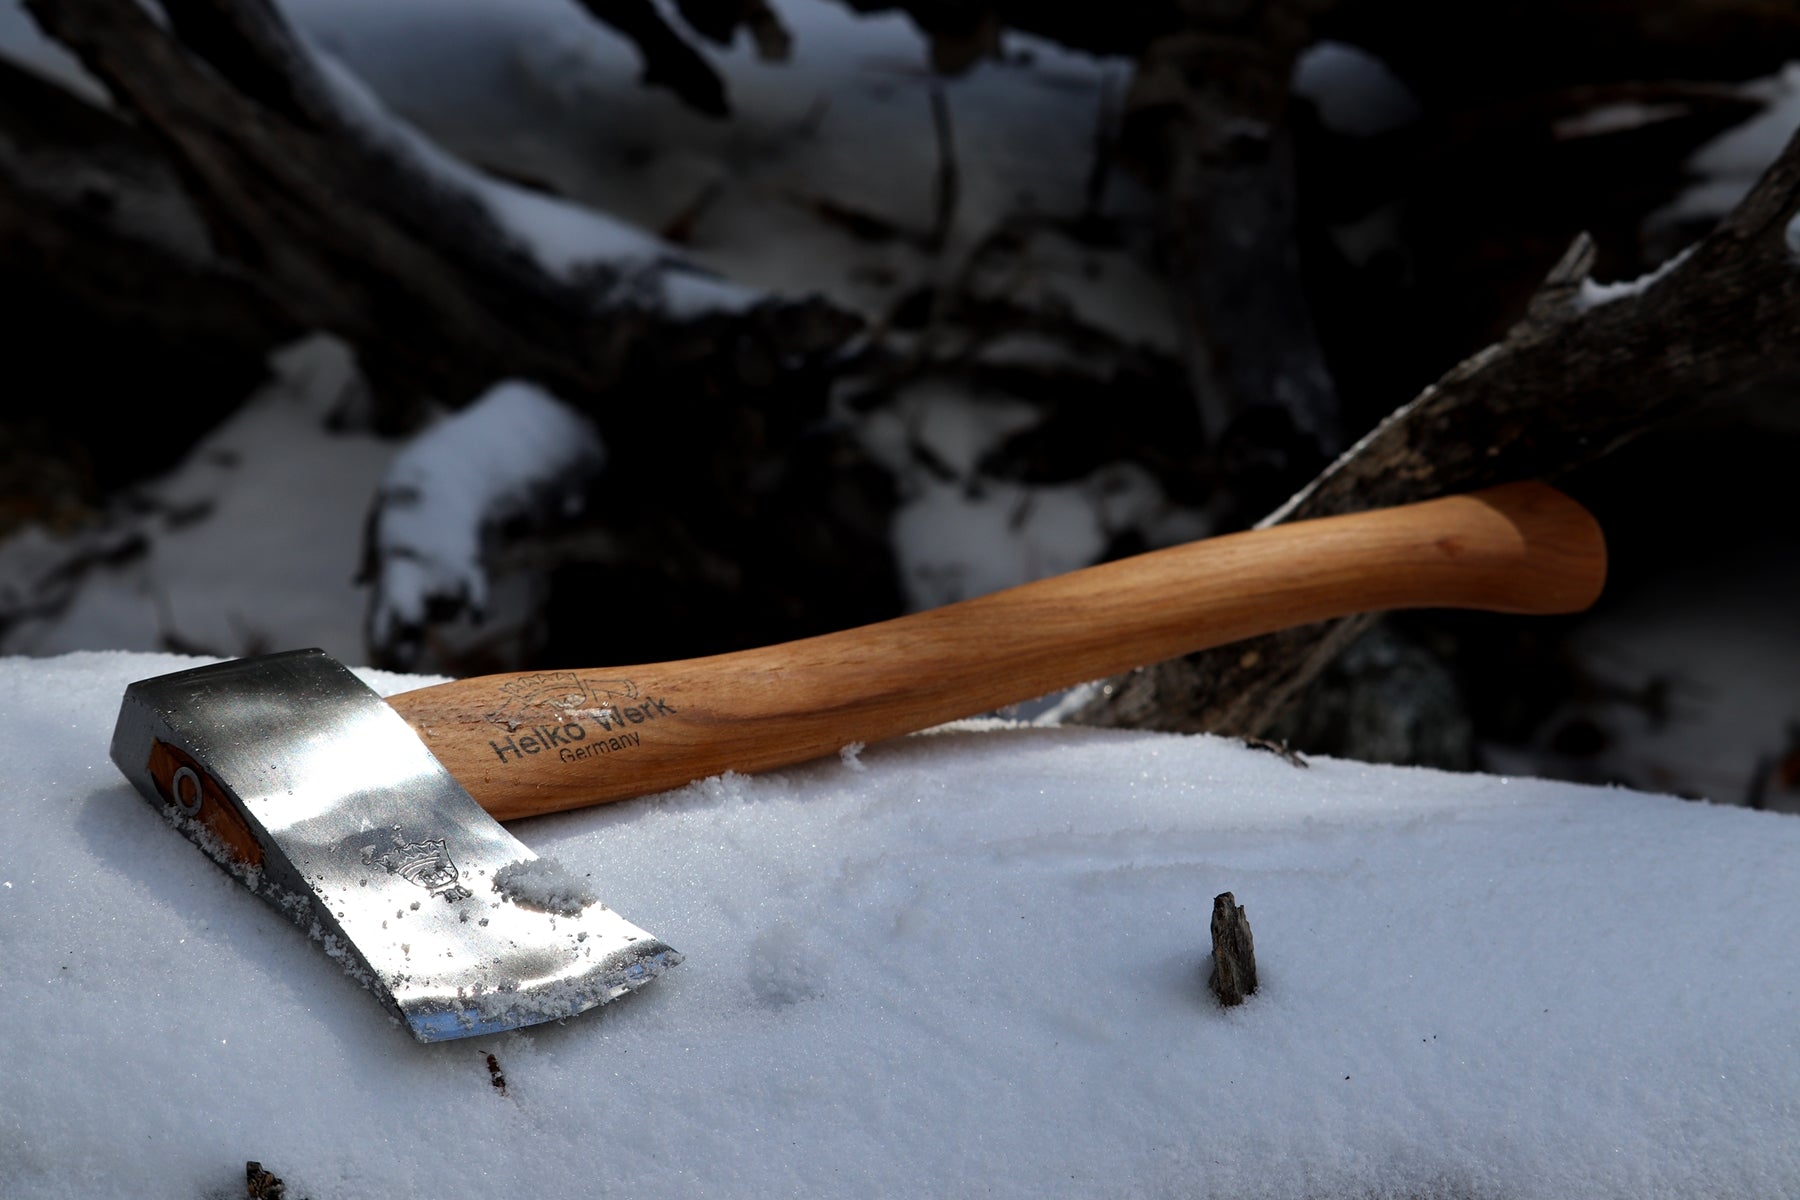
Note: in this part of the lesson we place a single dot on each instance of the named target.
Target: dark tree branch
(1585, 370)
(100, 247)
(668, 60)
(249, 48)
(1124, 27)
(345, 227)
(1458, 46)
(948, 185)
(1207, 115)
(1457, 54)
(719, 20)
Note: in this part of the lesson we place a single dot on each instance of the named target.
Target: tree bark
(107, 278)
(1233, 975)
(1584, 371)
(1207, 116)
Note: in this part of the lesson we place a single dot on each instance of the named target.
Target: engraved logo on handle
(572, 716)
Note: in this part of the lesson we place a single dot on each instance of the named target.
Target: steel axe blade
(294, 775)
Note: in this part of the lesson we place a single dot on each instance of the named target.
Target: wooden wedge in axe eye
(363, 818)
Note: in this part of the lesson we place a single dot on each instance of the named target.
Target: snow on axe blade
(295, 776)
(347, 810)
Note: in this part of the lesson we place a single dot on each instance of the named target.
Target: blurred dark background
(1412, 174)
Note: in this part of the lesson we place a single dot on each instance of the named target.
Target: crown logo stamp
(426, 864)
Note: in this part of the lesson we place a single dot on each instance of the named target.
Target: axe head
(294, 776)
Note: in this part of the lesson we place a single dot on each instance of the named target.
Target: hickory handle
(544, 741)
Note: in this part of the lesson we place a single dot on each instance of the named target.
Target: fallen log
(355, 224)
(1586, 369)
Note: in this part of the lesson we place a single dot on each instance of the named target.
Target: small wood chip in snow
(495, 1076)
(262, 1185)
(1234, 952)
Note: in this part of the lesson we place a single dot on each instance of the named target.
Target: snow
(976, 963)
(22, 41)
(453, 484)
(543, 884)
(1728, 712)
(1592, 294)
(540, 90)
(1728, 166)
(956, 540)
(566, 240)
(1617, 117)
(959, 533)
(569, 241)
(249, 542)
(1354, 91)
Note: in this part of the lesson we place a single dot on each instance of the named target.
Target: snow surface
(1592, 293)
(566, 240)
(1354, 91)
(22, 41)
(965, 962)
(1732, 691)
(1728, 166)
(542, 91)
(458, 479)
(958, 534)
(250, 542)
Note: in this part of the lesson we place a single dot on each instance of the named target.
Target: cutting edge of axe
(305, 783)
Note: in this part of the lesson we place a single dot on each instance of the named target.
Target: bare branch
(1587, 368)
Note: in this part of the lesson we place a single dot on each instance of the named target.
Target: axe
(362, 819)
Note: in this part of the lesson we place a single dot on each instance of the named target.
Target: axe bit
(362, 819)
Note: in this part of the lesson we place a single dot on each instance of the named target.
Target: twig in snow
(495, 1076)
(1234, 952)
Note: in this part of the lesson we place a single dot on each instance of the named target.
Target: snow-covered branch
(515, 453)
(444, 279)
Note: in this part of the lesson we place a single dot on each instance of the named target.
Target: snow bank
(968, 962)
(249, 542)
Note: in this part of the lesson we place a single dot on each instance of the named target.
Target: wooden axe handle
(543, 741)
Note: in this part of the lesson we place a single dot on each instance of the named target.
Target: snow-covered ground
(964, 963)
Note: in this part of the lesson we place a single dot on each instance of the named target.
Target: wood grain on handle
(544, 741)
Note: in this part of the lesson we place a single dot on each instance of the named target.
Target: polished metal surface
(295, 776)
